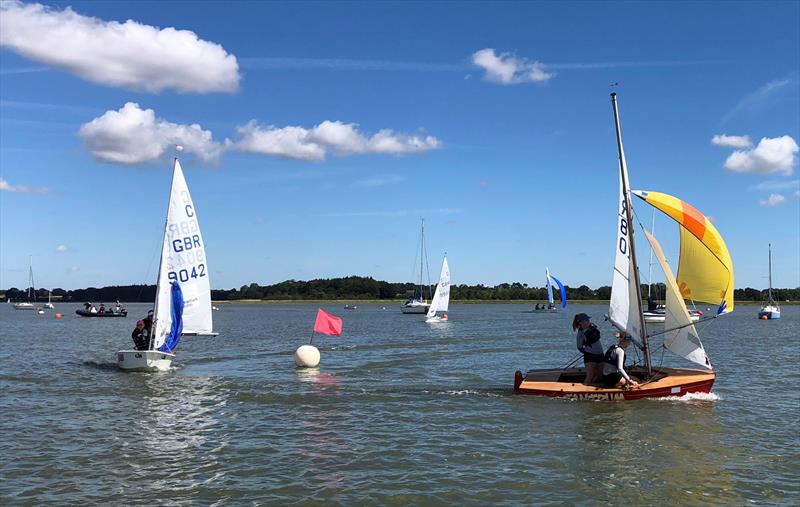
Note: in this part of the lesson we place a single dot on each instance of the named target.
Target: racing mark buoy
(58, 315)
(306, 356)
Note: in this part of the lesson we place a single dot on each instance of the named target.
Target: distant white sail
(624, 311)
(183, 259)
(683, 341)
(441, 297)
(550, 299)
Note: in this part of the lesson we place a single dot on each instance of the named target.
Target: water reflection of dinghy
(705, 274)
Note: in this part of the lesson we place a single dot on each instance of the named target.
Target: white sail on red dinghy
(551, 304)
(183, 292)
(771, 310)
(418, 304)
(441, 297)
(705, 274)
(30, 303)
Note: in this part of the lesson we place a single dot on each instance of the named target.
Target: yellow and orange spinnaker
(705, 269)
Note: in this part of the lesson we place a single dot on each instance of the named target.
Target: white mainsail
(441, 297)
(625, 308)
(183, 260)
(550, 299)
(682, 339)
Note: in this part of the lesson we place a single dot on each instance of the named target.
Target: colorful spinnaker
(705, 269)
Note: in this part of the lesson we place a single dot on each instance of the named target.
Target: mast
(30, 276)
(770, 275)
(623, 166)
(421, 257)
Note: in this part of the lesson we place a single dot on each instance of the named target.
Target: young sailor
(587, 340)
(614, 374)
(140, 336)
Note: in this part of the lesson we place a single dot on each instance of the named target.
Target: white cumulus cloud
(731, 141)
(313, 144)
(776, 155)
(62, 249)
(134, 135)
(505, 68)
(129, 55)
(772, 200)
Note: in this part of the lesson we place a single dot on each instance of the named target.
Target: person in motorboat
(587, 340)
(93, 309)
(140, 336)
(87, 306)
(102, 308)
(614, 374)
(118, 307)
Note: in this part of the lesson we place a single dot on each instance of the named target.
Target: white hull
(415, 307)
(144, 360)
(49, 306)
(658, 318)
(24, 306)
(436, 319)
(770, 312)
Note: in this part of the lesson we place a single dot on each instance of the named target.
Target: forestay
(441, 297)
(682, 338)
(183, 260)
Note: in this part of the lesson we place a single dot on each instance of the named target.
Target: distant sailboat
(771, 310)
(551, 304)
(705, 274)
(417, 303)
(29, 304)
(49, 304)
(441, 297)
(183, 294)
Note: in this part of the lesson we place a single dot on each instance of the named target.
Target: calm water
(399, 412)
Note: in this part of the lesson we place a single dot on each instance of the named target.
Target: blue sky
(325, 131)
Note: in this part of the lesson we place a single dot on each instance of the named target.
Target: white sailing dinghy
(705, 274)
(441, 297)
(771, 310)
(551, 304)
(183, 292)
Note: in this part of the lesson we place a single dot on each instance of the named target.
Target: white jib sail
(441, 297)
(550, 299)
(183, 259)
(624, 310)
(684, 341)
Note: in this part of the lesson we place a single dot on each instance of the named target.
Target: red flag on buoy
(327, 324)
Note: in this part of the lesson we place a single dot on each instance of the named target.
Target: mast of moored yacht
(770, 302)
(629, 217)
(650, 264)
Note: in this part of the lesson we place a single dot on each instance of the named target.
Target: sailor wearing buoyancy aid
(614, 373)
(587, 340)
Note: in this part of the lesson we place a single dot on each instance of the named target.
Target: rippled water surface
(399, 412)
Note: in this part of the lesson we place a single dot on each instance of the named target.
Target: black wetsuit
(141, 338)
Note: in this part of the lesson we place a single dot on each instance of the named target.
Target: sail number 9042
(184, 275)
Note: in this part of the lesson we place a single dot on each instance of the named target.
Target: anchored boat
(418, 303)
(705, 274)
(183, 293)
(30, 303)
(771, 310)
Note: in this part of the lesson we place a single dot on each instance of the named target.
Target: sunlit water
(399, 412)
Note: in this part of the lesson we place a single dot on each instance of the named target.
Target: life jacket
(611, 356)
(590, 336)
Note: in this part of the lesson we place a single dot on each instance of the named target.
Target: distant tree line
(367, 288)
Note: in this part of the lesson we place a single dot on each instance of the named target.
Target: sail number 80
(623, 239)
(184, 274)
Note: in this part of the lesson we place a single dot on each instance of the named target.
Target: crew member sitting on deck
(614, 374)
(140, 336)
(587, 341)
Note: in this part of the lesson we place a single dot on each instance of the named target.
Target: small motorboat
(107, 313)
(350, 307)
(24, 306)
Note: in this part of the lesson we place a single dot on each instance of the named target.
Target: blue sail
(171, 343)
(563, 291)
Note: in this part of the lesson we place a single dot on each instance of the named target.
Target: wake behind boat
(183, 293)
(706, 275)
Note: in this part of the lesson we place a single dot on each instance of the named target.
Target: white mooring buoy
(306, 356)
